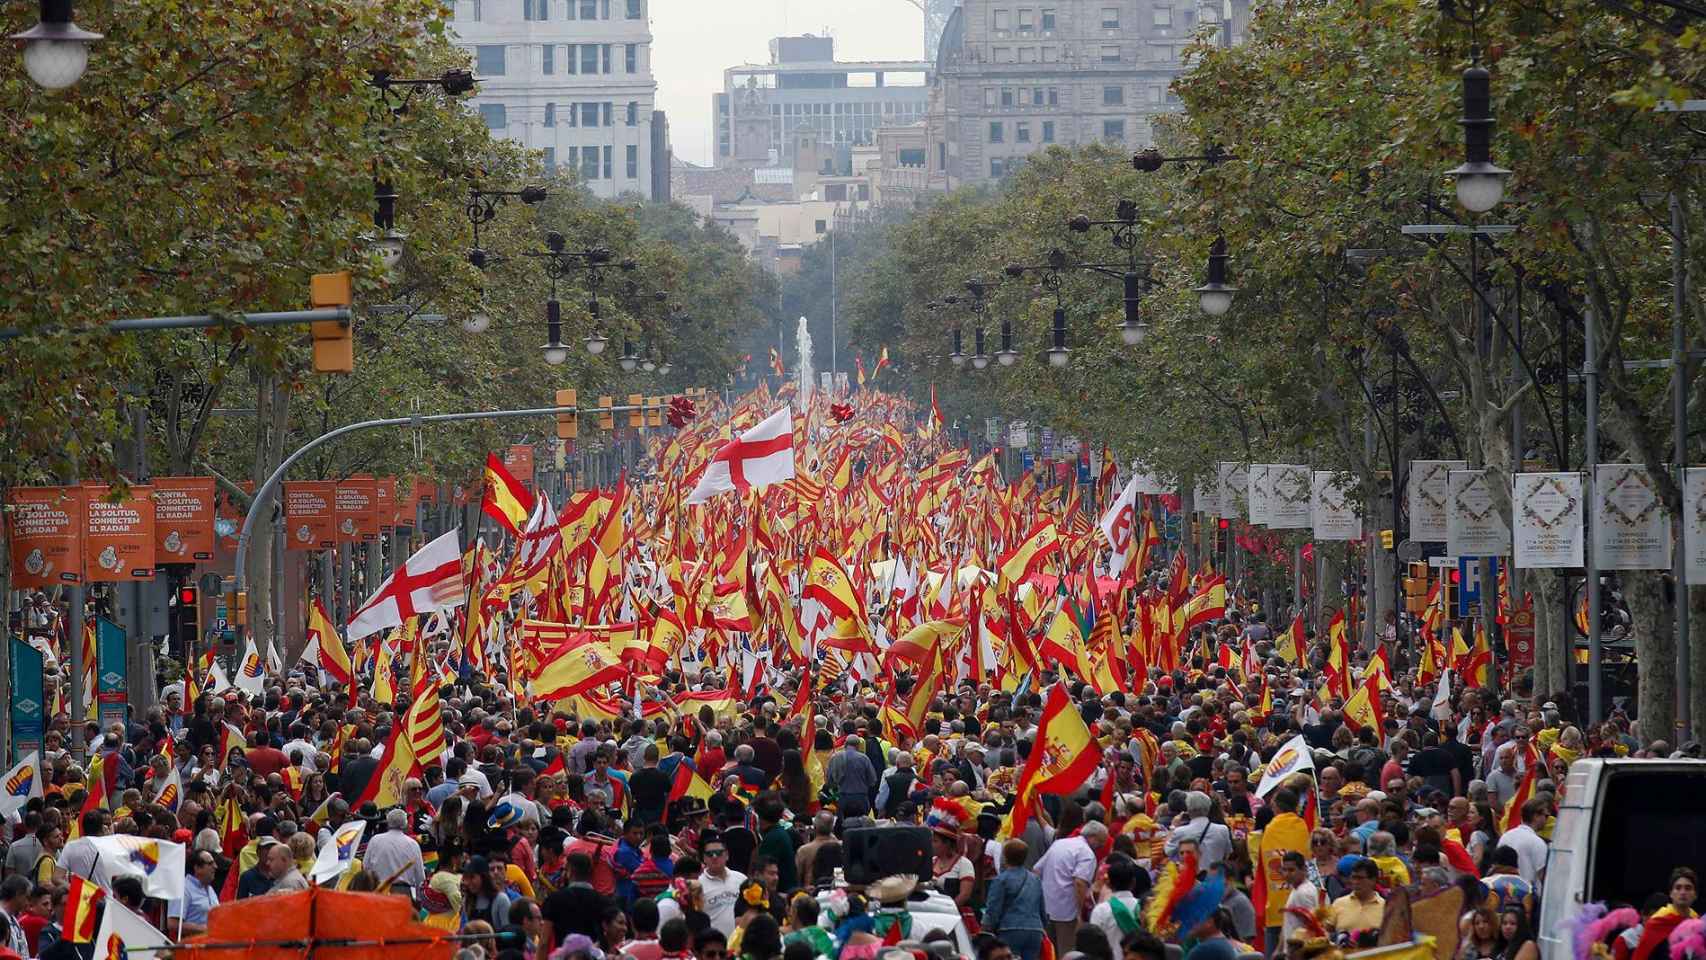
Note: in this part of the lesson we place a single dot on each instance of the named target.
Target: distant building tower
(936, 13)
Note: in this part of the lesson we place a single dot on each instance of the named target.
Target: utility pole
(1590, 464)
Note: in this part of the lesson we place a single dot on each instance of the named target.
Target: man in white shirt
(1304, 897)
(1122, 912)
(520, 794)
(719, 884)
(394, 856)
(1067, 869)
(1213, 840)
(1525, 840)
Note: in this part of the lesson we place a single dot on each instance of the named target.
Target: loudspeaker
(877, 852)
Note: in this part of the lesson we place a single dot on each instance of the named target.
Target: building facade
(1015, 76)
(573, 79)
(763, 108)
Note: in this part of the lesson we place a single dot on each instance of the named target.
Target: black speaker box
(877, 852)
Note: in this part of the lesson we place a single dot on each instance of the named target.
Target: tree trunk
(272, 403)
(1554, 635)
(1655, 649)
(1697, 661)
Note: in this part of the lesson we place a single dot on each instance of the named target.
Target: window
(589, 58)
(1007, 96)
(477, 11)
(589, 162)
(496, 117)
(1163, 16)
(1113, 130)
(1027, 54)
(1113, 96)
(1021, 132)
(1048, 21)
(1002, 54)
(604, 14)
(535, 9)
(1048, 131)
(997, 168)
(820, 226)
(1111, 53)
(1002, 21)
(569, 59)
(1027, 21)
(604, 57)
(995, 132)
(1110, 18)
(548, 59)
(607, 174)
(489, 60)
(589, 114)
(912, 158)
(1051, 53)
(1154, 94)
(550, 114)
(989, 96)
(631, 57)
(589, 11)
(633, 112)
(550, 159)
(942, 155)
(633, 162)
(634, 12)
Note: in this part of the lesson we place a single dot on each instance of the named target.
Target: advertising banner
(1261, 493)
(118, 538)
(29, 700)
(228, 517)
(1234, 490)
(1631, 527)
(1207, 496)
(183, 519)
(112, 687)
(46, 529)
(518, 460)
(1291, 490)
(1334, 514)
(1475, 524)
(310, 521)
(358, 517)
(385, 503)
(1694, 522)
(1428, 495)
(1548, 512)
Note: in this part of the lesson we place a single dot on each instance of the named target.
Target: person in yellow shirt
(1363, 908)
(1285, 833)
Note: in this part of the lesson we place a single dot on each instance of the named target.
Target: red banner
(118, 536)
(45, 525)
(183, 519)
(385, 503)
(310, 522)
(1519, 637)
(518, 460)
(358, 516)
(228, 516)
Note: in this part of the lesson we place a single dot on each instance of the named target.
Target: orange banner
(183, 518)
(228, 516)
(310, 522)
(358, 516)
(518, 460)
(385, 502)
(118, 537)
(46, 528)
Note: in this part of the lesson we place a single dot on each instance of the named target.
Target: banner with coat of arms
(1547, 520)
(1631, 527)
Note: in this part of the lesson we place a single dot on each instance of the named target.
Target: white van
(1623, 826)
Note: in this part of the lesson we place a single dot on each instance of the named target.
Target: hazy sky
(694, 41)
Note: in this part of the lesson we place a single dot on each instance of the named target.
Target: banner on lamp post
(1234, 490)
(1334, 514)
(1547, 514)
(1475, 524)
(1631, 527)
(112, 682)
(1429, 495)
(1261, 493)
(1291, 491)
(1694, 522)
(29, 700)
(1207, 499)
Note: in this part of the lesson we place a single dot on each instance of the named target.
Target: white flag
(22, 782)
(430, 580)
(1441, 709)
(760, 456)
(122, 930)
(1290, 759)
(159, 864)
(1119, 525)
(339, 855)
(251, 674)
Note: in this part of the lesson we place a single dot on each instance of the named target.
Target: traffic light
(1416, 587)
(334, 341)
(189, 617)
(636, 416)
(568, 424)
(1385, 539)
(238, 604)
(606, 419)
(654, 411)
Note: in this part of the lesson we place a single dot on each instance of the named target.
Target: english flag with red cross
(431, 580)
(762, 455)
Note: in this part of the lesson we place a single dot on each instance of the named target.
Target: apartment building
(573, 79)
(1014, 76)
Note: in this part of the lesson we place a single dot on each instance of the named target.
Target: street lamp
(628, 361)
(482, 208)
(1006, 356)
(1480, 183)
(555, 353)
(979, 360)
(477, 320)
(958, 357)
(56, 50)
(1215, 296)
(1058, 354)
(388, 243)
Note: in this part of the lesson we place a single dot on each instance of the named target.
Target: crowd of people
(541, 833)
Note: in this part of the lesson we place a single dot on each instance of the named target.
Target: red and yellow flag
(80, 912)
(1062, 758)
(506, 500)
(333, 658)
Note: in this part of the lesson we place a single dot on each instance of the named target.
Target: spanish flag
(396, 764)
(576, 669)
(329, 653)
(1364, 709)
(882, 361)
(80, 913)
(1338, 658)
(506, 500)
(1511, 817)
(1292, 646)
(1041, 543)
(95, 798)
(1062, 757)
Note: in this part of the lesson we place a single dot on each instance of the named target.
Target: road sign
(992, 430)
(1019, 434)
(1473, 572)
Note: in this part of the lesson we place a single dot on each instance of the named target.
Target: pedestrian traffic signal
(1416, 587)
(334, 341)
(189, 618)
(606, 418)
(568, 424)
(636, 415)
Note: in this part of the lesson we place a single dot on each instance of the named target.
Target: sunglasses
(716, 853)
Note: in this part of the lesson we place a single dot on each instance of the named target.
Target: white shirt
(720, 898)
(1103, 914)
(394, 854)
(529, 809)
(308, 751)
(1063, 863)
(1530, 851)
(1213, 839)
(1306, 898)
